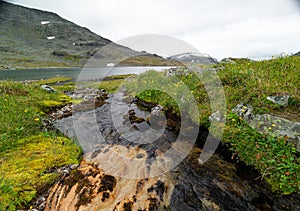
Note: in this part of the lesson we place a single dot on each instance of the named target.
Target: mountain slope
(35, 38)
(194, 58)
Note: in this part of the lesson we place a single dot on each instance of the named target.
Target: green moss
(53, 80)
(55, 100)
(251, 83)
(27, 154)
(65, 87)
(111, 85)
(114, 77)
(28, 163)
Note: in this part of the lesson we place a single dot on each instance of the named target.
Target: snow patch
(184, 55)
(45, 22)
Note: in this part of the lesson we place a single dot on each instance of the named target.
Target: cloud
(255, 28)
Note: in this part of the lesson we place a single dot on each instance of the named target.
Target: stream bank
(219, 184)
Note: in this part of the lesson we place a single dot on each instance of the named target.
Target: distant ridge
(191, 57)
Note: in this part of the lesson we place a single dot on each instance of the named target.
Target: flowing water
(126, 167)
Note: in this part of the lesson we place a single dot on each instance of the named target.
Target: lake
(86, 73)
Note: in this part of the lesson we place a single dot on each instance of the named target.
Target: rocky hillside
(33, 38)
(194, 58)
(297, 54)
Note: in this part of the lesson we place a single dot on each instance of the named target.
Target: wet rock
(138, 156)
(159, 188)
(127, 206)
(42, 206)
(88, 105)
(131, 112)
(66, 111)
(108, 183)
(142, 127)
(89, 94)
(135, 119)
(280, 100)
(157, 118)
(214, 185)
(89, 188)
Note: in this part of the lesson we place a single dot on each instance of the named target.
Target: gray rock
(47, 88)
(287, 134)
(62, 113)
(42, 205)
(157, 110)
(280, 100)
(41, 199)
(272, 125)
(228, 61)
(74, 166)
(171, 72)
(143, 127)
(244, 111)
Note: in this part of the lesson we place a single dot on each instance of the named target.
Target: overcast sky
(221, 28)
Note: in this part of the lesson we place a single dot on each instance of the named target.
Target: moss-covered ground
(28, 150)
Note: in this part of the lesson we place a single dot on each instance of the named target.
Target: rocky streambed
(126, 166)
